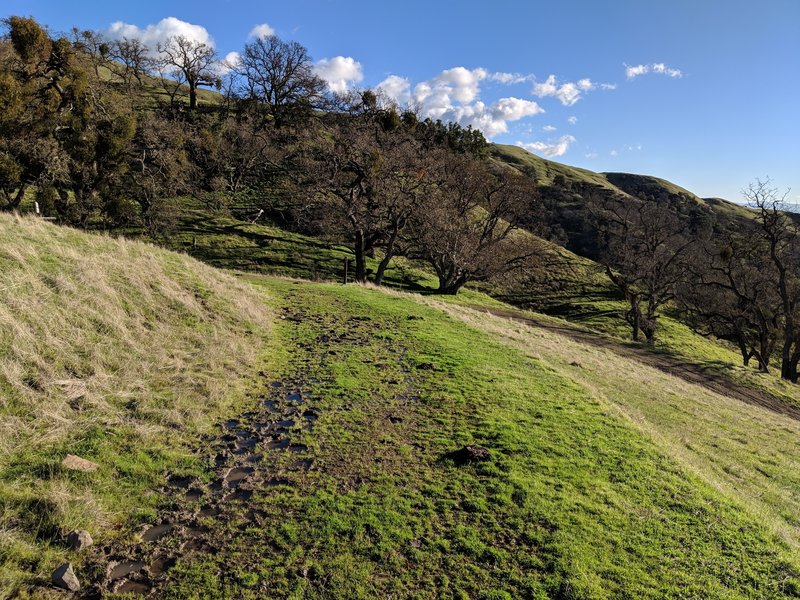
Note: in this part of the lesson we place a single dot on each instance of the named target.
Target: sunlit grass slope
(750, 453)
(118, 352)
(575, 501)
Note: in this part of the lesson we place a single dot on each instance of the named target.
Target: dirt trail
(689, 372)
(255, 452)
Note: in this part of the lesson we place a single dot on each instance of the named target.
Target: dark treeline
(737, 279)
(111, 133)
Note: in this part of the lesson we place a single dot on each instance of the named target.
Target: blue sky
(703, 93)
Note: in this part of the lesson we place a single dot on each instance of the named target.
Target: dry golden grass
(114, 350)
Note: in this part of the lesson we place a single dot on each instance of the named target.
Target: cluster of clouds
(158, 33)
(551, 148)
(452, 95)
(568, 93)
(339, 72)
(658, 68)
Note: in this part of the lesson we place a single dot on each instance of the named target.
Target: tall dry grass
(113, 349)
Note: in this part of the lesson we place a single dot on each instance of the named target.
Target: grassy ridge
(575, 502)
(118, 352)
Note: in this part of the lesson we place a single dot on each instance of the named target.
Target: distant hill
(565, 189)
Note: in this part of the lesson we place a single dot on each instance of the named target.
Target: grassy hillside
(566, 286)
(338, 407)
(115, 351)
(575, 500)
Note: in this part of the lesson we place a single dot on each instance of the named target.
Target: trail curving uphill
(689, 372)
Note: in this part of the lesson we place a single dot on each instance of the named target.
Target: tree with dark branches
(644, 249)
(189, 61)
(279, 77)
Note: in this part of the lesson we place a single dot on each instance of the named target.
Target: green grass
(747, 452)
(575, 502)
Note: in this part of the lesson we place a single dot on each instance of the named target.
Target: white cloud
(454, 95)
(339, 72)
(230, 62)
(396, 88)
(549, 149)
(457, 84)
(567, 93)
(572, 120)
(509, 78)
(262, 30)
(591, 155)
(660, 68)
(613, 153)
(159, 32)
(548, 128)
(493, 119)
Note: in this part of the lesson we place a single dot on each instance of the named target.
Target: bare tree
(468, 226)
(278, 75)
(644, 246)
(135, 58)
(359, 170)
(781, 236)
(93, 44)
(729, 292)
(191, 61)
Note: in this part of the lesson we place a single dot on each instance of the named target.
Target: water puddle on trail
(161, 564)
(237, 474)
(125, 568)
(133, 587)
(156, 532)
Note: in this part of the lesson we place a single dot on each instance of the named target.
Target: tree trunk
(192, 96)
(17, 200)
(746, 354)
(634, 318)
(387, 257)
(451, 285)
(787, 372)
(361, 257)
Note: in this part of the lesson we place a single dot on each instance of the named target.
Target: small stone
(64, 578)
(78, 539)
(76, 463)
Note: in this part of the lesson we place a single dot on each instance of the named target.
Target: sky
(704, 93)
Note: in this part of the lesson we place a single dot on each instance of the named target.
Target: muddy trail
(692, 373)
(252, 455)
